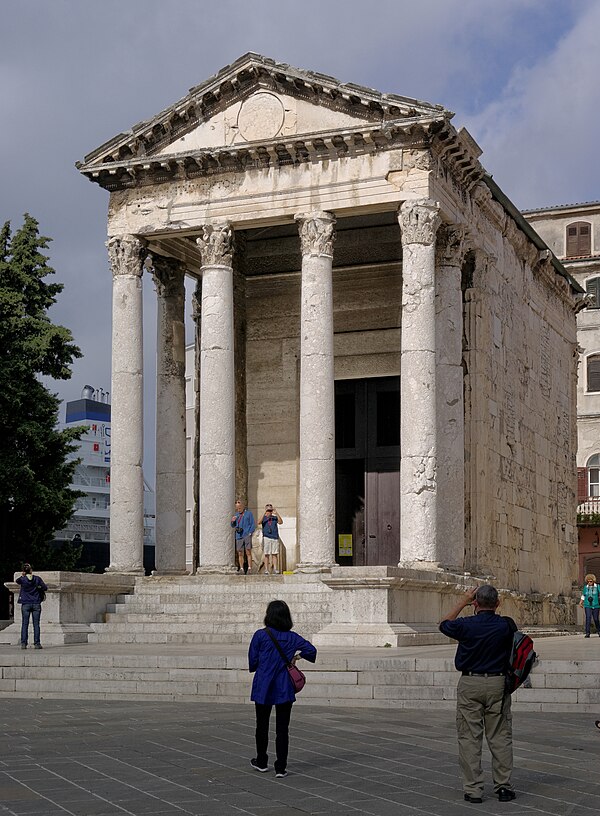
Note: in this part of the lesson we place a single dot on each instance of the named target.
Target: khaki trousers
(482, 705)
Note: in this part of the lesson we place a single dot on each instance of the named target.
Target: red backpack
(521, 660)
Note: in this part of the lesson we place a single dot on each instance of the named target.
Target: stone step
(225, 609)
(168, 625)
(166, 637)
(385, 681)
(193, 618)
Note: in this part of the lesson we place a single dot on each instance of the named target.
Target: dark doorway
(367, 430)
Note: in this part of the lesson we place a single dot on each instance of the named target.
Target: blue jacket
(30, 588)
(272, 684)
(245, 521)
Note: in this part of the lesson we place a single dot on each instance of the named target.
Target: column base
(314, 568)
(167, 572)
(216, 569)
(430, 566)
(118, 571)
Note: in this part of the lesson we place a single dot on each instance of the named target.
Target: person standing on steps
(270, 522)
(590, 603)
(272, 685)
(482, 702)
(243, 521)
(30, 598)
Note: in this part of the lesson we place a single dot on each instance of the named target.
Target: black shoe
(586, 635)
(474, 800)
(257, 767)
(506, 795)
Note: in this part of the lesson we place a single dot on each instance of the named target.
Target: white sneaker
(266, 572)
(275, 572)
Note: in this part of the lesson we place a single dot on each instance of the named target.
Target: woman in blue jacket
(272, 685)
(30, 598)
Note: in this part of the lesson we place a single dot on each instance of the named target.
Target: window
(593, 372)
(593, 468)
(592, 287)
(579, 240)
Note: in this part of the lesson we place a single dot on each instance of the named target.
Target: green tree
(35, 471)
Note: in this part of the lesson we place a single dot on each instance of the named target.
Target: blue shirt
(484, 641)
(272, 684)
(269, 526)
(245, 521)
(30, 587)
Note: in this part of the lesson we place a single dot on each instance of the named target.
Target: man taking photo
(482, 703)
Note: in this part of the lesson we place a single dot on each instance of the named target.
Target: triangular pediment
(256, 100)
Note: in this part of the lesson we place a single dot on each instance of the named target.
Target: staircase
(210, 609)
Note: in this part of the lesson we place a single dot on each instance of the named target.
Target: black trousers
(283, 712)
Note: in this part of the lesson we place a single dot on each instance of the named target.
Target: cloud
(540, 136)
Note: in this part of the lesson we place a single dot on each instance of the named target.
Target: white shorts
(270, 546)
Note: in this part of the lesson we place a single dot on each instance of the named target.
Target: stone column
(316, 502)
(217, 394)
(170, 417)
(126, 255)
(451, 250)
(419, 221)
(197, 318)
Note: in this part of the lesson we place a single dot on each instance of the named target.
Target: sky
(521, 75)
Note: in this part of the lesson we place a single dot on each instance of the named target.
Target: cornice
(295, 150)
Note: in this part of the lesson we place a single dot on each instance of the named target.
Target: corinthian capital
(316, 233)
(451, 245)
(216, 244)
(419, 221)
(167, 274)
(126, 254)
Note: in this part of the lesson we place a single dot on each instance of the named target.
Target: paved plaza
(98, 758)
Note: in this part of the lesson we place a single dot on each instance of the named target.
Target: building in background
(572, 232)
(90, 522)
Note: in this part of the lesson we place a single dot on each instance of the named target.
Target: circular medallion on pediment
(260, 117)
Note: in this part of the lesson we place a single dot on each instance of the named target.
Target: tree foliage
(35, 499)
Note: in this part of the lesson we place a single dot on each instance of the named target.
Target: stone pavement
(82, 758)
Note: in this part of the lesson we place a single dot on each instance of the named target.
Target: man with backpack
(485, 642)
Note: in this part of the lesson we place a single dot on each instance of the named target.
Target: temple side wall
(524, 422)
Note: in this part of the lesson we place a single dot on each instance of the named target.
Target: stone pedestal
(217, 394)
(316, 502)
(170, 418)
(127, 409)
(419, 221)
(74, 600)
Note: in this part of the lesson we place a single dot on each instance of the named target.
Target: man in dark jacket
(30, 598)
(484, 645)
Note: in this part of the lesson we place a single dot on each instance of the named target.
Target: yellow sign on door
(345, 544)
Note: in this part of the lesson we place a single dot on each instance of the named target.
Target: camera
(239, 530)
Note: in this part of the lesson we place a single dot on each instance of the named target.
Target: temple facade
(385, 348)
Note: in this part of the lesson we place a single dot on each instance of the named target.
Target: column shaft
(316, 502)
(418, 444)
(127, 433)
(170, 418)
(450, 398)
(217, 394)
